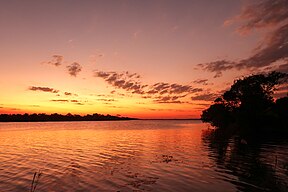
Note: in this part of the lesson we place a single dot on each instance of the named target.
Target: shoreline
(136, 119)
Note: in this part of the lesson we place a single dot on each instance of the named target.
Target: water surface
(135, 156)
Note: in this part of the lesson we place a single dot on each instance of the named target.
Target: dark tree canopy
(254, 90)
(249, 105)
(58, 117)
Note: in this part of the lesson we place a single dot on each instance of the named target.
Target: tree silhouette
(248, 107)
(58, 117)
(254, 90)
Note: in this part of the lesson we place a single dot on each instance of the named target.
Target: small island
(248, 110)
(42, 117)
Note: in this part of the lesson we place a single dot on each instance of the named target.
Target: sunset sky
(146, 59)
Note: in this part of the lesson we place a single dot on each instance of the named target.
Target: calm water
(135, 156)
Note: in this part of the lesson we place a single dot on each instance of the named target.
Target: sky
(145, 59)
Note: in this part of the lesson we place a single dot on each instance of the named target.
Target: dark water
(135, 156)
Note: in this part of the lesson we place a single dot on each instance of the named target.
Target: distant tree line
(58, 117)
(249, 109)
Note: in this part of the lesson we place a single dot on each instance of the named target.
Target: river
(140, 155)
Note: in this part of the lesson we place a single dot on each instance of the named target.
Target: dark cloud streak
(60, 100)
(77, 102)
(201, 81)
(205, 97)
(44, 89)
(68, 94)
(56, 60)
(74, 69)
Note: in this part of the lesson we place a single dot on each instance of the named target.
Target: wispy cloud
(125, 80)
(60, 100)
(281, 91)
(15, 109)
(283, 68)
(260, 15)
(175, 110)
(174, 88)
(159, 92)
(51, 90)
(205, 97)
(169, 99)
(56, 60)
(44, 89)
(67, 93)
(273, 50)
(201, 81)
(217, 66)
(34, 105)
(70, 94)
(77, 102)
(74, 69)
(106, 100)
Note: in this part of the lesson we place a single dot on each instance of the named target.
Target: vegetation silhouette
(35, 181)
(42, 117)
(249, 109)
(245, 118)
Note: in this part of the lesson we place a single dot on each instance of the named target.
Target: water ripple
(134, 156)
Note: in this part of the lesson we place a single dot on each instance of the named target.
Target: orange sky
(133, 58)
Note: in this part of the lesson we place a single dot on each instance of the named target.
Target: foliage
(58, 117)
(248, 107)
(218, 115)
